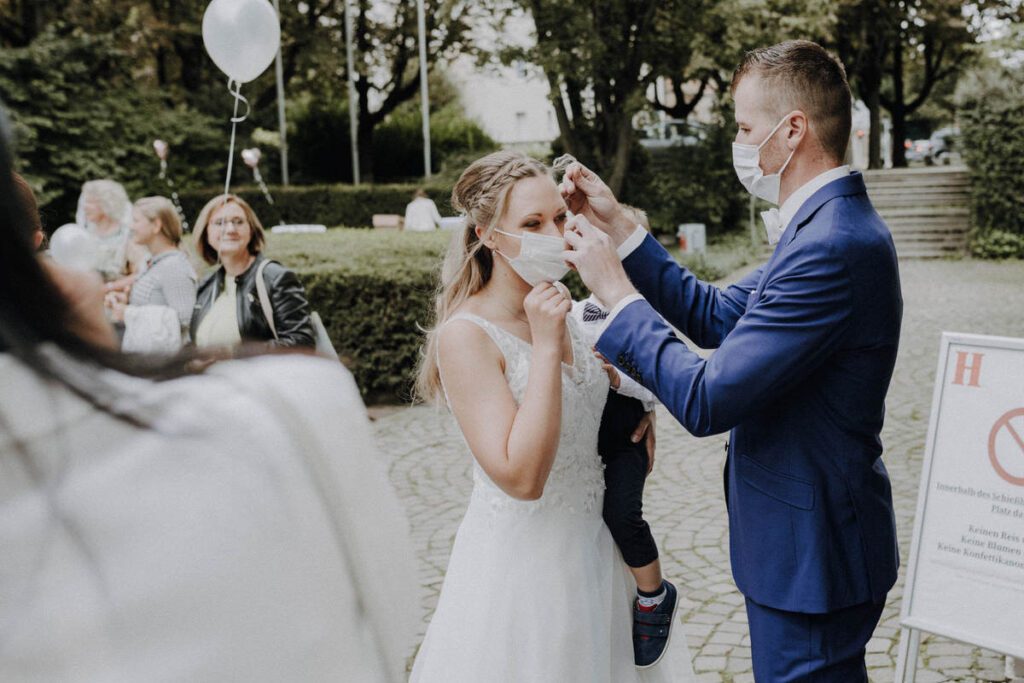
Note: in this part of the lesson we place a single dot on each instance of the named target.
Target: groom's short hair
(799, 74)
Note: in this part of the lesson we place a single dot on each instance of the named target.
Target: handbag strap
(261, 291)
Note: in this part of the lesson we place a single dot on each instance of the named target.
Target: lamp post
(424, 90)
(353, 102)
(282, 123)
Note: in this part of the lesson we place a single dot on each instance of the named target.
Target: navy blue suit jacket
(805, 352)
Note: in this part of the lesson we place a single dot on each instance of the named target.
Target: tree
(78, 115)
(593, 55)
(387, 54)
(601, 58)
(899, 51)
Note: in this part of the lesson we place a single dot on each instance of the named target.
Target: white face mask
(746, 159)
(540, 258)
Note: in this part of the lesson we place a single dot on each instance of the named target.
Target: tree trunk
(897, 108)
(620, 157)
(871, 85)
(364, 136)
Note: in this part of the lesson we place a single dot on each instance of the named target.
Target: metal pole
(424, 90)
(282, 123)
(353, 103)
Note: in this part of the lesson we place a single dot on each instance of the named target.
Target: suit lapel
(852, 184)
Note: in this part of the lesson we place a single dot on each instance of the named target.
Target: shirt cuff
(615, 311)
(632, 242)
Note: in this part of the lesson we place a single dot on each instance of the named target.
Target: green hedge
(374, 291)
(991, 114)
(325, 204)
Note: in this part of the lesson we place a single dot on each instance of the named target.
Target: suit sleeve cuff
(615, 311)
(631, 243)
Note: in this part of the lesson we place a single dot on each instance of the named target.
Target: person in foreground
(234, 526)
(535, 590)
(805, 351)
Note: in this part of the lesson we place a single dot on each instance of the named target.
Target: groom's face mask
(746, 159)
(540, 257)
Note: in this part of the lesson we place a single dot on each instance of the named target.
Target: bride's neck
(507, 291)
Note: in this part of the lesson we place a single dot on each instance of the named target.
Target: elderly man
(805, 351)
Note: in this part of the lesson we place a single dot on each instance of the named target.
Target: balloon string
(235, 120)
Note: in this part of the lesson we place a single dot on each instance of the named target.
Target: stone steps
(926, 209)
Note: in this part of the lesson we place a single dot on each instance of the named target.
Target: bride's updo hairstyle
(481, 195)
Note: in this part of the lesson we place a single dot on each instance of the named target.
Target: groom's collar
(844, 186)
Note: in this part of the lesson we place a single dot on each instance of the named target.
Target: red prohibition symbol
(1015, 453)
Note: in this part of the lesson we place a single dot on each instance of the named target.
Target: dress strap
(499, 336)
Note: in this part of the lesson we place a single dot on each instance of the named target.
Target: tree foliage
(79, 115)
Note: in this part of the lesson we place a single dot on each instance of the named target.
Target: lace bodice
(576, 481)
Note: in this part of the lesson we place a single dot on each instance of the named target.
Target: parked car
(945, 146)
(918, 150)
(672, 133)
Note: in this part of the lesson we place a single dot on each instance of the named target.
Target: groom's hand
(593, 256)
(587, 195)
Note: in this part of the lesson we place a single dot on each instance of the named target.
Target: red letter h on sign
(974, 368)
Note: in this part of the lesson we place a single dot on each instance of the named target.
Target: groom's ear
(797, 129)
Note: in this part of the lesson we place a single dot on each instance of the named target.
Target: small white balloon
(73, 246)
(241, 37)
(251, 157)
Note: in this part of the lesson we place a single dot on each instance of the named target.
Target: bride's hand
(613, 374)
(546, 307)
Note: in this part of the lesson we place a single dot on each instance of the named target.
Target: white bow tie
(773, 225)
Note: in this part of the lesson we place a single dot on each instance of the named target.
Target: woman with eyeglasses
(230, 306)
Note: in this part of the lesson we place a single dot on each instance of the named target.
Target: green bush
(693, 184)
(997, 244)
(374, 291)
(991, 114)
(325, 204)
(321, 150)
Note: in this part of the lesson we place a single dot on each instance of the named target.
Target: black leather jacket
(287, 298)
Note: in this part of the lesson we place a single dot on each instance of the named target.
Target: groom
(805, 351)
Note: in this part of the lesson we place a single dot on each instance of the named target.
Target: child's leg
(648, 577)
(624, 474)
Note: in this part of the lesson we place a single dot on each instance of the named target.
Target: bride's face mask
(540, 257)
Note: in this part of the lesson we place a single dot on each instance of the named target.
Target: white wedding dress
(536, 591)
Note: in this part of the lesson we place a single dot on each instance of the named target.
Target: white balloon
(241, 37)
(73, 246)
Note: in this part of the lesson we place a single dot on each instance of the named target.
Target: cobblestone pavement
(684, 504)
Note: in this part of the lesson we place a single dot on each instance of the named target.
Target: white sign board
(966, 574)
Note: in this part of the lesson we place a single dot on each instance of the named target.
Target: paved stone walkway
(431, 469)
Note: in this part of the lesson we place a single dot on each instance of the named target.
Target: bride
(535, 589)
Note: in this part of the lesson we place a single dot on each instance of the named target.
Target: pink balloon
(161, 148)
(251, 157)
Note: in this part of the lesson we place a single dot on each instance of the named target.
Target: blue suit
(805, 351)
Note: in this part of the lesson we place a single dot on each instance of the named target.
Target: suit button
(726, 446)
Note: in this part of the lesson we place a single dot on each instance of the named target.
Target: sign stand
(965, 578)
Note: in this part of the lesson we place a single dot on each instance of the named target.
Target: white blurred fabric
(151, 329)
(250, 534)
(537, 590)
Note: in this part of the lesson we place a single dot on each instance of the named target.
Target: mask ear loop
(774, 131)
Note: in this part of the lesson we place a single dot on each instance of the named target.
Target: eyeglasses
(237, 222)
